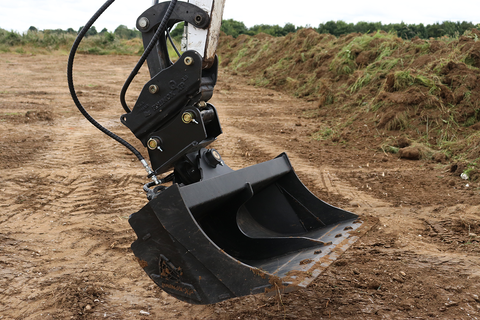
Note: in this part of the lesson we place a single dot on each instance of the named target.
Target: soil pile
(424, 92)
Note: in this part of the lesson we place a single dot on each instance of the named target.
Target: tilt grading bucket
(244, 232)
(214, 233)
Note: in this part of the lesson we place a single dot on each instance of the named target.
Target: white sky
(19, 15)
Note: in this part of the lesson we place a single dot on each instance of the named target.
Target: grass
(361, 82)
(12, 114)
(47, 42)
(471, 167)
(324, 69)
(399, 122)
(323, 134)
(390, 149)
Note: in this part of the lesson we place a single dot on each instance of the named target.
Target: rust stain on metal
(177, 288)
(141, 262)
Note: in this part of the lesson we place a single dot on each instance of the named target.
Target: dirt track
(67, 191)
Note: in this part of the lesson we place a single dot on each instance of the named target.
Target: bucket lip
(315, 266)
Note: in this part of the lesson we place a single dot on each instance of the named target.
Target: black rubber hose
(71, 58)
(161, 30)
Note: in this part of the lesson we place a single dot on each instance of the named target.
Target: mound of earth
(426, 91)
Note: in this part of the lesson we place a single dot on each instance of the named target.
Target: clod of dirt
(306, 261)
(390, 82)
(415, 152)
(410, 153)
(402, 142)
(39, 115)
(376, 285)
(365, 58)
(439, 157)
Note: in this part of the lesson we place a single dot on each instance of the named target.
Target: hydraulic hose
(161, 30)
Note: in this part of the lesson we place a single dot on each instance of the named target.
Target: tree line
(403, 30)
(121, 31)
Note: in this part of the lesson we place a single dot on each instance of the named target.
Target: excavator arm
(209, 233)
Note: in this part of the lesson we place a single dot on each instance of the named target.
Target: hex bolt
(154, 143)
(202, 104)
(153, 88)
(188, 61)
(143, 22)
(188, 117)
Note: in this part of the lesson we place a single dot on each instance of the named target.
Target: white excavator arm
(205, 41)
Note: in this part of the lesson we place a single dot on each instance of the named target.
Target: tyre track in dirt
(65, 200)
(48, 204)
(322, 178)
(65, 240)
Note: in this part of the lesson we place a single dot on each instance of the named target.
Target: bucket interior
(274, 226)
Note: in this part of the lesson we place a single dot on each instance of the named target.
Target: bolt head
(143, 22)
(153, 88)
(188, 117)
(198, 19)
(213, 158)
(153, 143)
(216, 155)
(188, 61)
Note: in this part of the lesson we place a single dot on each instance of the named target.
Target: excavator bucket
(215, 233)
(254, 230)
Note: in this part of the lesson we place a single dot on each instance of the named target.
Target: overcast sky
(19, 15)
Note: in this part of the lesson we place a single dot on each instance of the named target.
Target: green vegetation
(323, 134)
(338, 28)
(58, 38)
(122, 41)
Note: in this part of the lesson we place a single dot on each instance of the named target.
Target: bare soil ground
(66, 191)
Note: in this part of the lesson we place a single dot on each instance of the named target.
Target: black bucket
(258, 229)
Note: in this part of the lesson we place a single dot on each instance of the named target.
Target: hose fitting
(150, 171)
